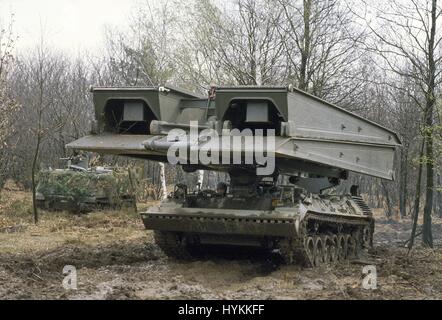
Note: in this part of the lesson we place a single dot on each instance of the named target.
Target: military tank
(309, 145)
(80, 189)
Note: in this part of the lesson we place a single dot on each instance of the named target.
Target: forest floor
(116, 258)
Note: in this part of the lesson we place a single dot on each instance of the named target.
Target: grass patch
(57, 229)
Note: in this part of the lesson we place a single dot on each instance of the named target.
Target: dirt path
(116, 259)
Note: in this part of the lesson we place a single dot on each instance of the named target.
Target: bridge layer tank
(316, 144)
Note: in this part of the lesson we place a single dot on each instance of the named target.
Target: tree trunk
(163, 181)
(34, 180)
(403, 190)
(439, 201)
(200, 174)
(133, 189)
(439, 196)
(303, 81)
(389, 212)
(427, 236)
(417, 199)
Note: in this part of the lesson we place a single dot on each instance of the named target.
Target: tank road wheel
(366, 238)
(318, 252)
(334, 249)
(352, 247)
(329, 249)
(326, 251)
(172, 244)
(342, 248)
(309, 248)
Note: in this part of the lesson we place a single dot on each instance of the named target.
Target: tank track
(324, 241)
(173, 245)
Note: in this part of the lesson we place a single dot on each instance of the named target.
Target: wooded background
(380, 59)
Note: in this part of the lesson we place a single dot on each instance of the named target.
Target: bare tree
(408, 33)
(321, 46)
(144, 55)
(43, 80)
(236, 45)
(8, 107)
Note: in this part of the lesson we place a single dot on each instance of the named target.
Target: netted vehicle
(290, 209)
(78, 189)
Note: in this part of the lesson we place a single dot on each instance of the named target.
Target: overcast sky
(71, 25)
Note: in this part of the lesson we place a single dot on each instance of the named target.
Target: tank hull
(289, 230)
(83, 191)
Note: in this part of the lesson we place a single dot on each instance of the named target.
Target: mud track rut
(116, 259)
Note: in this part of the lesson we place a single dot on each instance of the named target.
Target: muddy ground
(116, 259)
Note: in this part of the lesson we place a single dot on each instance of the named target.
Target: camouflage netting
(80, 187)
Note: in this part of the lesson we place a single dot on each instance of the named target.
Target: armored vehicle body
(308, 144)
(81, 189)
